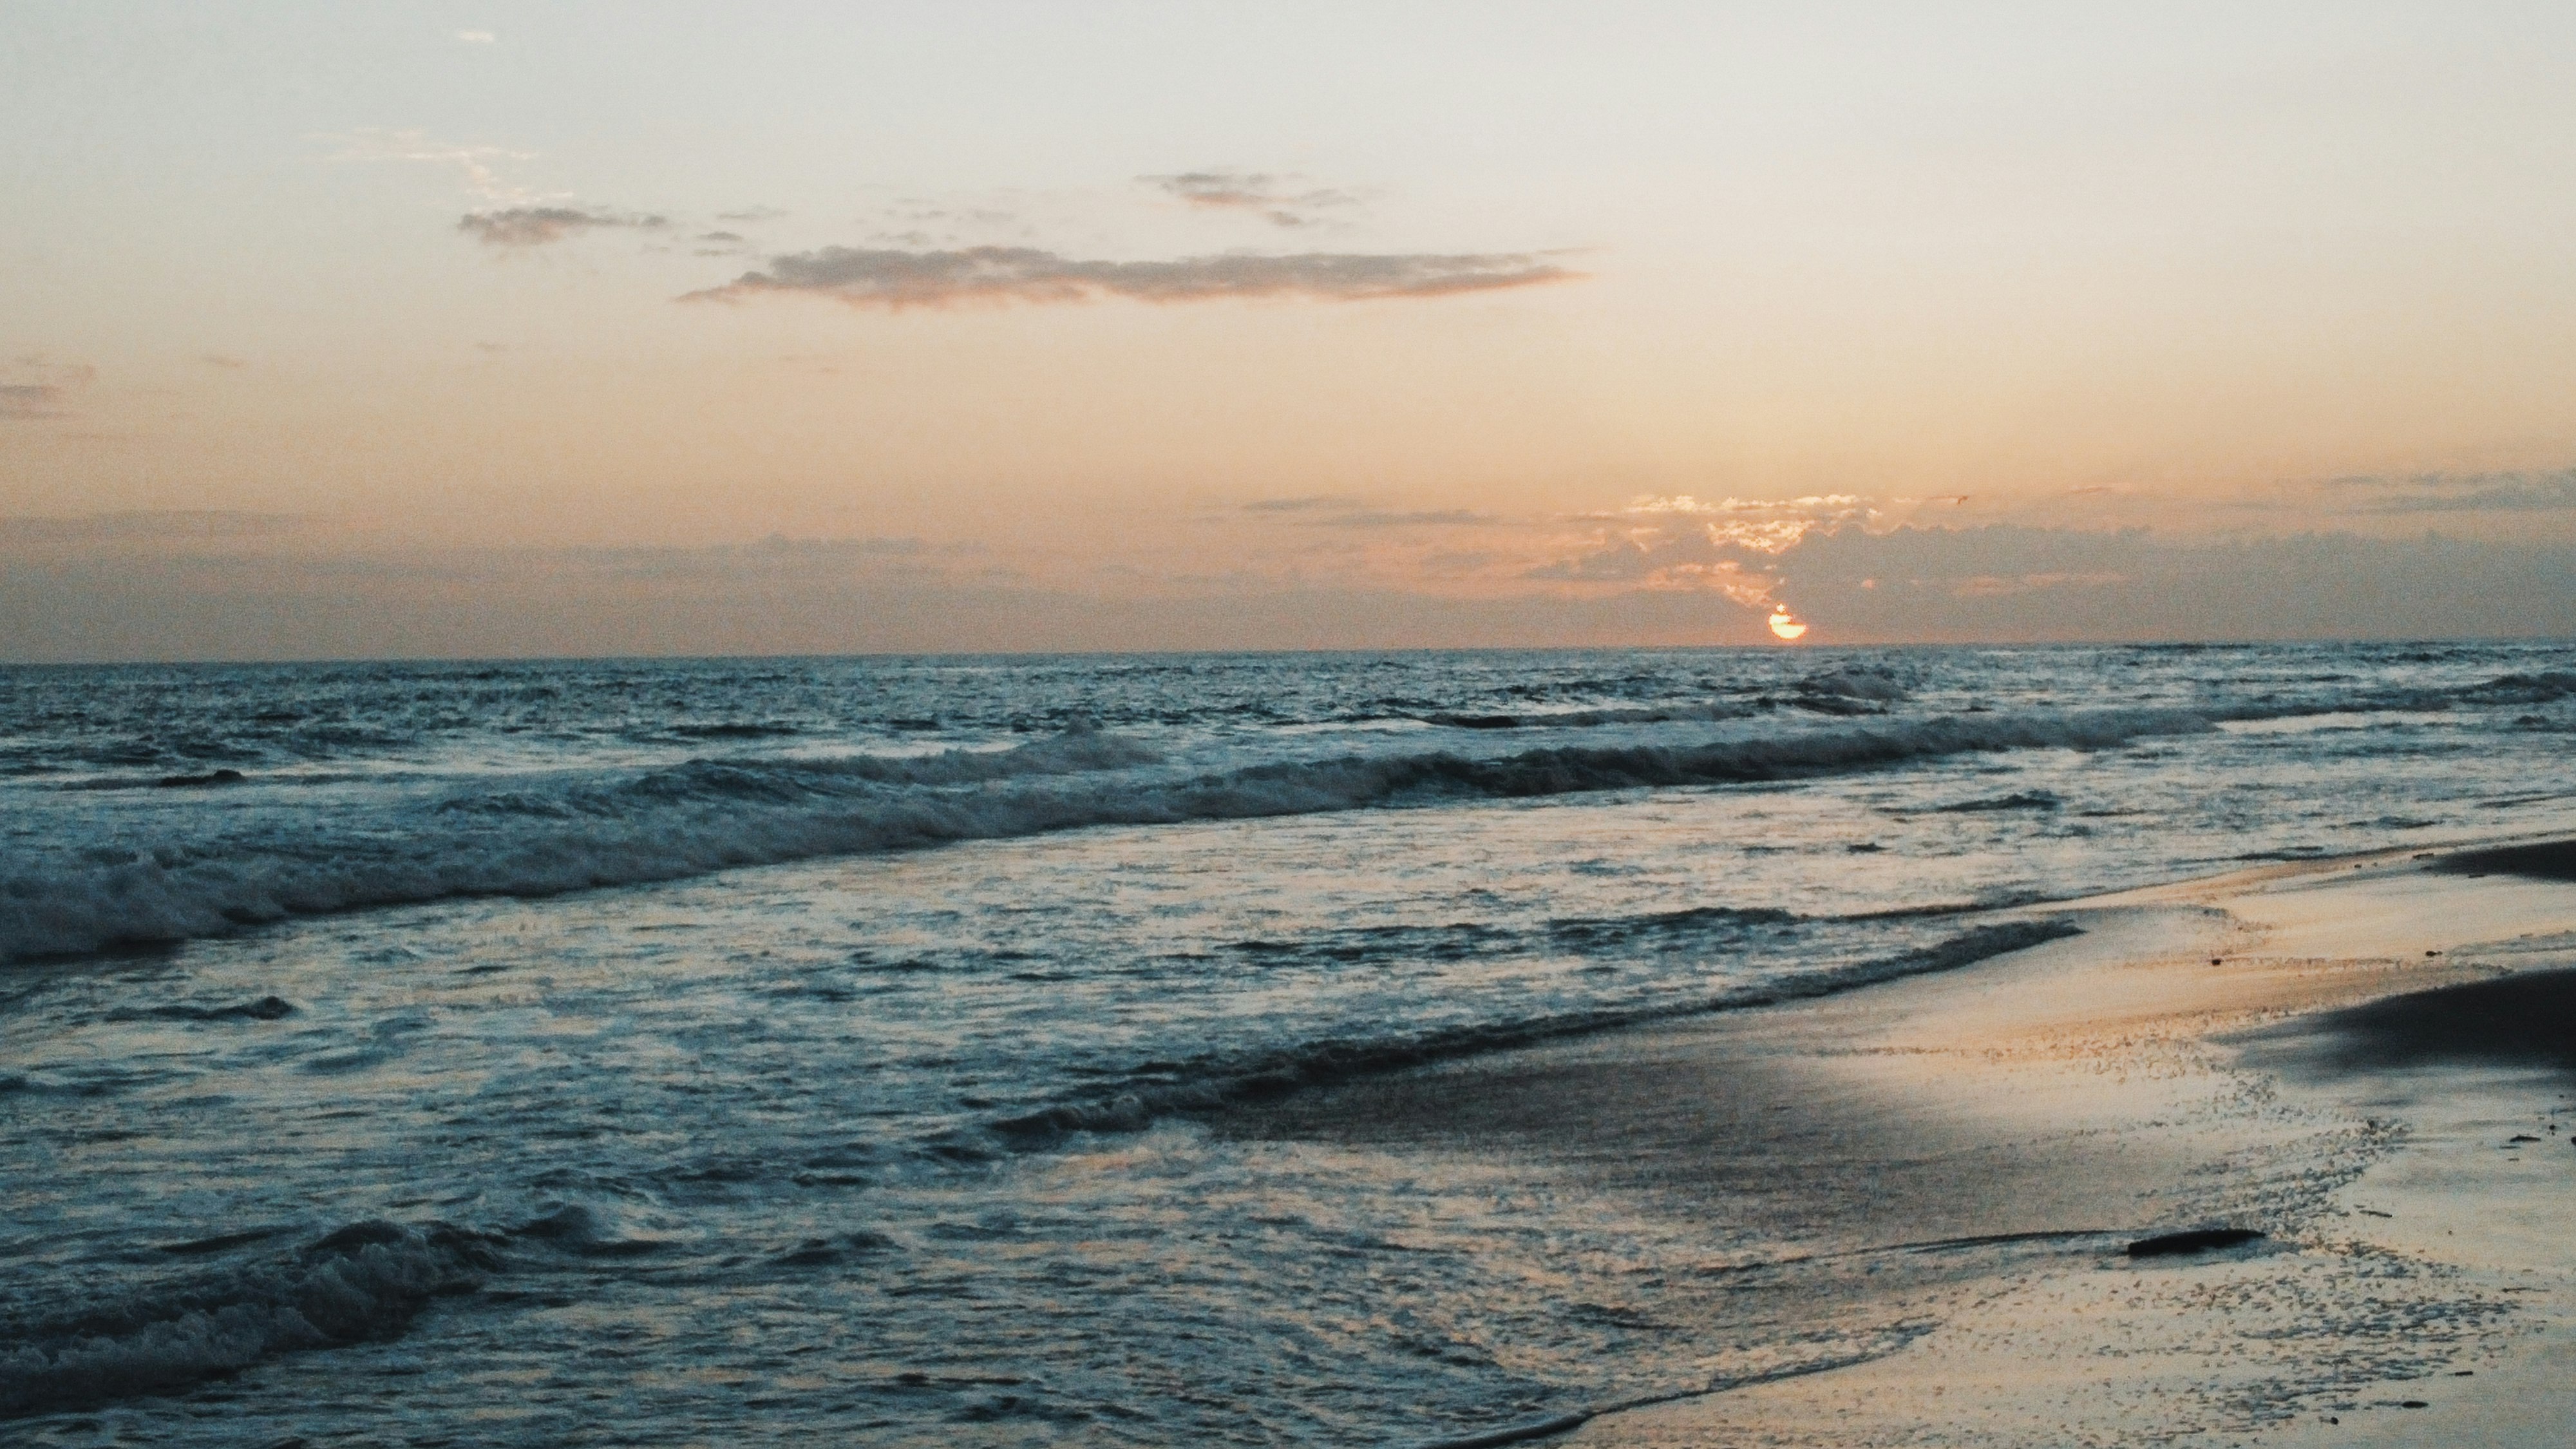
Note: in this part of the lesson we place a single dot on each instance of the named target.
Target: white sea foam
(586, 830)
(666, 1105)
(1208, 1085)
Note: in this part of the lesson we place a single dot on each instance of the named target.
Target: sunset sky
(446, 329)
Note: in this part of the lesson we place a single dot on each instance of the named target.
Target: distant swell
(571, 832)
(1167, 1089)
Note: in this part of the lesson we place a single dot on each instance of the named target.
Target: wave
(1851, 690)
(584, 830)
(711, 815)
(363, 1283)
(2018, 800)
(1567, 719)
(1210, 1084)
(2546, 687)
(1572, 935)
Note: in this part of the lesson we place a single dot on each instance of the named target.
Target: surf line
(1574, 1419)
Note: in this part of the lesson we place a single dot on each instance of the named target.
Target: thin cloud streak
(145, 525)
(896, 280)
(1250, 191)
(536, 226)
(1426, 518)
(1305, 504)
(477, 165)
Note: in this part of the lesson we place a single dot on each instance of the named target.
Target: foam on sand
(2412, 1267)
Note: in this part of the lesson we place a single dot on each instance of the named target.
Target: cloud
(1430, 518)
(145, 526)
(899, 279)
(1680, 542)
(2462, 492)
(1995, 586)
(2007, 582)
(1305, 504)
(536, 226)
(751, 213)
(1252, 191)
(774, 556)
(1683, 560)
(30, 400)
(319, 599)
(479, 165)
(33, 386)
(1764, 525)
(215, 585)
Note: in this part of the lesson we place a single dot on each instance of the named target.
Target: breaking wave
(580, 830)
(363, 1283)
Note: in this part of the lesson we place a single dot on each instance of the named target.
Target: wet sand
(1933, 1182)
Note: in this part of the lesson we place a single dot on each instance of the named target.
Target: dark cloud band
(2465, 492)
(900, 279)
(30, 400)
(34, 386)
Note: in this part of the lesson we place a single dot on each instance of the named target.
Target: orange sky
(1352, 325)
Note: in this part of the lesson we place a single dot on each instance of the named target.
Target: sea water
(733, 1051)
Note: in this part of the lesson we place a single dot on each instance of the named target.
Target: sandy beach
(1949, 1170)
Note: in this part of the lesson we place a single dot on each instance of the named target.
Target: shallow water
(738, 1050)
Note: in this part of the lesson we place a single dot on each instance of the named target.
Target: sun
(1786, 625)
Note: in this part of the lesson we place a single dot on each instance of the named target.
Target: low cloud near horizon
(2011, 583)
(35, 387)
(148, 586)
(2457, 492)
(896, 280)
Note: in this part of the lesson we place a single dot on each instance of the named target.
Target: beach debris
(2194, 1240)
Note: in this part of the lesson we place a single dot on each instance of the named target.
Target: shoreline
(1985, 1142)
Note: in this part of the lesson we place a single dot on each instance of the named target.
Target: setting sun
(876, 723)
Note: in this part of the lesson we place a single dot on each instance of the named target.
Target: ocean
(861, 1050)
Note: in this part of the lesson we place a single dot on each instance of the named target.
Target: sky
(448, 329)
